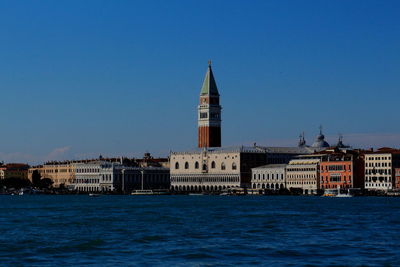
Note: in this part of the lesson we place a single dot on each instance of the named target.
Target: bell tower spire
(209, 112)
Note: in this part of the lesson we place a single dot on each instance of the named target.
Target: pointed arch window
(234, 167)
(177, 165)
(223, 166)
(186, 165)
(196, 165)
(213, 165)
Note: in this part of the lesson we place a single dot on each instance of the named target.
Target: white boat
(142, 192)
(94, 195)
(342, 195)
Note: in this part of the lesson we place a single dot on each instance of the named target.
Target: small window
(177, 165)
(186, 165)
(196, 165)
(223, 166)
(234, 166)
(203, 115)
(213, 165)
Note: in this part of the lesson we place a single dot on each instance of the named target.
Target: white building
(96, 176)
(303, 175)
(379, 169)
(102, 176)
(272, 176)
(214, 169)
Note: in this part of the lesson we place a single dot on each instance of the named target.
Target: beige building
(303, 175)
(214, 169)
(60, 174)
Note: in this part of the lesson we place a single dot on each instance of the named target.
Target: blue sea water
(41, 230)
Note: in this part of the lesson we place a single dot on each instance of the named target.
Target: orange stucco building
(334, 174)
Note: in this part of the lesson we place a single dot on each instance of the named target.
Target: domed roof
(320, 141)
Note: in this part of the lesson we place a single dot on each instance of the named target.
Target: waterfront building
(104, 176)
(337, 172)
(397, 178)
(60, 173)
(339, 168)
(14, 170)
(271, 176)
(209, 113)
(214, 169)
(302, 175)
(2, 172)
(380, 168)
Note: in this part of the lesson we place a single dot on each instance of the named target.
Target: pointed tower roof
(209, 86)
(302, 140)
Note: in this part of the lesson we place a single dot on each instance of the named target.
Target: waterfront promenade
(46, 230)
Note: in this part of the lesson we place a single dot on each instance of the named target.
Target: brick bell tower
(209, 113)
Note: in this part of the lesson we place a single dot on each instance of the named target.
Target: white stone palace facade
(272, 177)
(103, 176)
(214, 169)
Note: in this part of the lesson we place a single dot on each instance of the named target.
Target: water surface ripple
(199, 230)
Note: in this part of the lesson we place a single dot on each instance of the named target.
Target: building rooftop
(303, 161)
(233, 149)
(292, 150)
(271, 166)
(254, 149)
(384, 150)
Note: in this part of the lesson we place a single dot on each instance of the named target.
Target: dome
(320, 141)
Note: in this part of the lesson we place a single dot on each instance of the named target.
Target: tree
(36, 178)
(16, 182)
(46, 183)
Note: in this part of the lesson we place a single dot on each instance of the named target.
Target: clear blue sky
(83, 78)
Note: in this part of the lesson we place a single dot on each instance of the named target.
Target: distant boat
(196, 194)
(94, 195)
(142, 192)
(343, 195)
(339, 194)
(336, 193)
